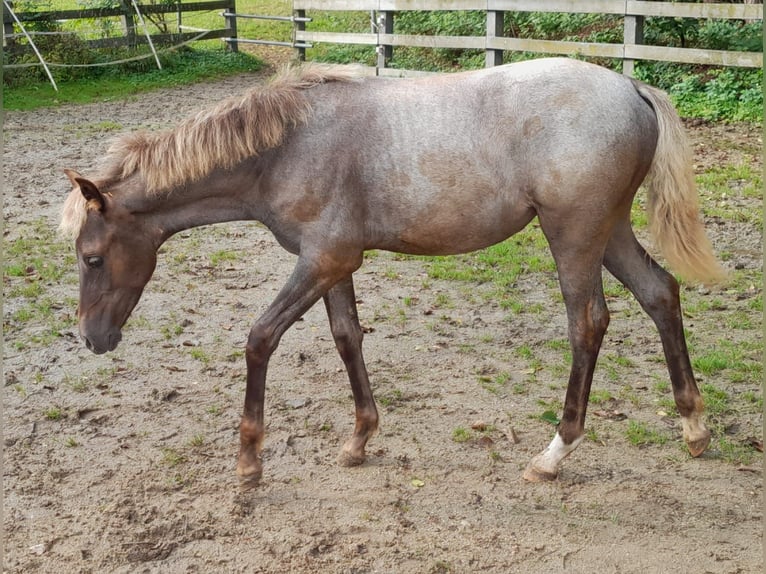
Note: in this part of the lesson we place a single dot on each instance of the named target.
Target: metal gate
(297, 22)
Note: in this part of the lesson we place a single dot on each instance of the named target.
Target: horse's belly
(447, 201)
(449, 229)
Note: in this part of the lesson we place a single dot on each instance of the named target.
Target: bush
(729, 94)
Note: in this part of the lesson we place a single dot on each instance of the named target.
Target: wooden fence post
(494, 29)
(231, 26)
(129, 22)
(8, 43)
(632, 35)
(385, 26)
(299, 25)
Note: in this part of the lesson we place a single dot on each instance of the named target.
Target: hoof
(698, 446)
(533, 474)
(349, 459)
(249, 477)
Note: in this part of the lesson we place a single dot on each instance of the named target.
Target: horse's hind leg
(579, 267)
(658, 293)
(340, 302)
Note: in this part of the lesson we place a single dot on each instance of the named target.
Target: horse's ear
(72, 175)
(93, 197)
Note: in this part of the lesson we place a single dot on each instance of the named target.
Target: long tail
(673, 203)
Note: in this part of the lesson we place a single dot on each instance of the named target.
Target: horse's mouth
(99, 348)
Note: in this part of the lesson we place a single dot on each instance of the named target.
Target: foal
(335, 164)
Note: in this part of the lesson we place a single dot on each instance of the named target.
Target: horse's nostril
(88, 344)
(114, 340)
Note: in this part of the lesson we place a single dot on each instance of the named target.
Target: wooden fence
(494, 42)
(130, 33)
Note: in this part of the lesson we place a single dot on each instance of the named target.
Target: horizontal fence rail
(494, 42)
(130, 33)
(295, 20)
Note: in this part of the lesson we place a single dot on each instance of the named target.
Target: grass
(197, 440)
(391, 398)
(187, 67)
(600, 396)
(461, 435)
(640, 434)
(78, 385)
(741, 360)
(494, 384)
(54, 414)
(734, 452)
(500, 265)
(172, 458)
(223, 256)
(34, 258)
(215, 410)
(170, 331)
(199, 355)
(204, 60)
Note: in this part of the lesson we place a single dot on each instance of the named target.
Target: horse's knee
(260, 345)
(600, 317)
(348, 341)
(590, 327)
(664, 298)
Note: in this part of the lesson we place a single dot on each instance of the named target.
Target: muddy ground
(125, 462)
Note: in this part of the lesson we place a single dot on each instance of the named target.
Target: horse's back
(553, 110)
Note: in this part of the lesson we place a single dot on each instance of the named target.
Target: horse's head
(116, 256)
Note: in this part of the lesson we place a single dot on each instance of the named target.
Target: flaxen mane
(220, 137)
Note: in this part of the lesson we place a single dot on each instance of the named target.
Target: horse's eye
(94, 261)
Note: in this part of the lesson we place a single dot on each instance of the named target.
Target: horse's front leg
(340, 302)
(308, 283)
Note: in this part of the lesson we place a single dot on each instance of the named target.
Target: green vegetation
(495, 383)
(171, 457)
(640, 434)
(391, 399)
(599, 396)
(461, 434)
(197, 440)
(199, 355)
(54, 414)
(698, 91)
(33, 259)
(723, 94)
(223, 256)
(179, 68)
(549, 416)
(499, 265)
(84, 74)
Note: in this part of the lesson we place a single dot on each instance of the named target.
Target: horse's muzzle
(101, 347)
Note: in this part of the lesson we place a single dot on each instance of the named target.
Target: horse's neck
(215, 199)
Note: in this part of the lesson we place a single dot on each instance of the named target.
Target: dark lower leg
(340, 302)
(251, 426)
(588, 322)
(658, 294)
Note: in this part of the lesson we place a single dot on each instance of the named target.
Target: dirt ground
(125, 462)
